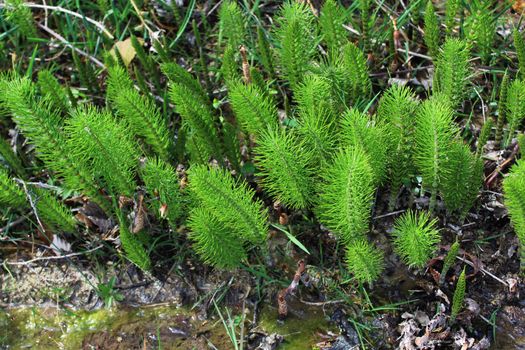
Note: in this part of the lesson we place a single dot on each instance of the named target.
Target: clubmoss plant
(232, 24)
(415, 238)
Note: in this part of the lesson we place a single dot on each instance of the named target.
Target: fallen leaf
(126, 50)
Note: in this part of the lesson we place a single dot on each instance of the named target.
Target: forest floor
(49, 301)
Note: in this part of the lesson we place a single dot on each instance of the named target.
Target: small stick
(69, 12)
(494, 175)
(12, 223)
(281, 297)
(52, 257)
(483, 270)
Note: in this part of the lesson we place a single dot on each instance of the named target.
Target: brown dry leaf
(126, 50)
(518, 5)
(140, 215)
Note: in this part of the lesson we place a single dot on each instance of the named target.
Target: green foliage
(480, 27)
(502, 109)
(232, 26)
(10, 193)
(20, 15)
(214, 240)
(449, 260)
(415, 238)
(178, 76)
(346, 195)
(519, 44)
(364, 261)
(431, 30)
(133, 247)
(230, 67)
(397, 108)
(296, 33)
(515, 106)
(265, 52)
(162, 185)
(514, 192)
(140, 112)
(452, 71)
(484, 135)
(230, 201)
(43, 127)
(315, 118)
(357, 130)
(200, 122)
(148, 63)
(56, 94)
(10, 158)
(356, 69)
(462, 178)
(86, 73)
(331, 23)
(433, 135)
(254, 110)
(459, 296)
(364, 9)
(451, 11)
(52, 212)
(106, 147)
(284, 167)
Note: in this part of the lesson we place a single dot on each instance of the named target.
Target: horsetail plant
(331, 21)
(358, 131)
(10, 159)
(254, 110)
(231, 24)
(364, 261)
(43, 126)
(462, 179)
(452, 71)
(449, 260)
(346, 195)
(162, 184)
(433, 135)
(284, 168)
(514, 194)
(296, 33)
(480, 27)
(519, 45)
(502, 109)
(397, 109)
(431, 30)
(415, 238)
(229, 203)
(515, 107)
(459, 296)
(451, 11)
